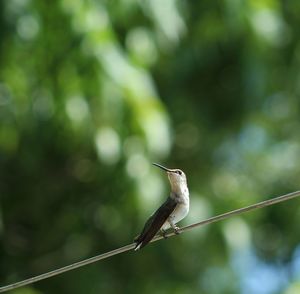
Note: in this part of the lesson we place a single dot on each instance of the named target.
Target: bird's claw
(164, 234)
(177, 230)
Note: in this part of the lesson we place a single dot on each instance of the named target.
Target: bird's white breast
(180, 212)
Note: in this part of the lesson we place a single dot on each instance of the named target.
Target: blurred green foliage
(91, 92)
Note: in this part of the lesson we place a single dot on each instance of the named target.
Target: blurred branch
(131, 246)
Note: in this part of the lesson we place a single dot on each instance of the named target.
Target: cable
(131, 246)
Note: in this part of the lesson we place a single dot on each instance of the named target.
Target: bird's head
(176, 177)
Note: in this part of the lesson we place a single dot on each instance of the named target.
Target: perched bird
(173, 210)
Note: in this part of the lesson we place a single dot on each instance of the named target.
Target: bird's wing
(155, 222)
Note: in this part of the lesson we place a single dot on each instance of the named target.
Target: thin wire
(131, 246)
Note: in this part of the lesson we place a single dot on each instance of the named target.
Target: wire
(131, 246)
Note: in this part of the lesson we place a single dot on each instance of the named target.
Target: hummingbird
(173, 210)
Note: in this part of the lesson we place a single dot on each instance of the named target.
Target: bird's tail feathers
(138, 246)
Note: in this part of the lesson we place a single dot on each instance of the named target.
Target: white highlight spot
(108, 145)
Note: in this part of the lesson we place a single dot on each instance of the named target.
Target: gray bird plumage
(170, 212)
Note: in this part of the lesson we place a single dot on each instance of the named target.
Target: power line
(131, 246)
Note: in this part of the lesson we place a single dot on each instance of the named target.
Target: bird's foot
(164, 234)
(177, 230)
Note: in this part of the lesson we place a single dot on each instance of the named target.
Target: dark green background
(92, 92)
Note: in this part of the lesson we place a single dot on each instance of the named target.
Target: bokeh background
(92, 92)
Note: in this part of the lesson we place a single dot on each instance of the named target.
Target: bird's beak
(162, 167)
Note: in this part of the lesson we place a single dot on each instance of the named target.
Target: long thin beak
(162, 167)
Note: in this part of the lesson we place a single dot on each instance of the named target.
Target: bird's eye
(179, 172)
